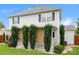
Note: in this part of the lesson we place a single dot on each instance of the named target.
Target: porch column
(52, 43)
(52, 46)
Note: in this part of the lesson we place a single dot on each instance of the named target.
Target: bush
(9, 43)
(14, 36)
(25, 36)
(62, 31)
(65, 43)
(3, 37)
(58, 49)
(47, 37)
(32, 37)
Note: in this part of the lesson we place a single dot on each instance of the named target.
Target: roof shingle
(34, 10)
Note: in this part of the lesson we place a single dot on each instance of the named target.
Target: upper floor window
(43, 17)
(53, 16)
(49, 16)
(16, 20)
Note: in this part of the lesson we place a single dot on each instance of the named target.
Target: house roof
(69, 28)
(34, 10)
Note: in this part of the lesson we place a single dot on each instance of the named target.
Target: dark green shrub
(32, 37)
(65, 43)
(3, 37)
(62, 31)
(14, 36)
(25, 36)
(58, 49)
(47, 37)
(77, 29)
(9, 43)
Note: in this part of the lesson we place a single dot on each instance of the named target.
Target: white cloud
(68, 21)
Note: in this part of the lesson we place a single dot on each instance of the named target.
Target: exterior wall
(56, 39)
(34, 19)
(69, 37)
(1, 32)
(20, 40)
(40, 36)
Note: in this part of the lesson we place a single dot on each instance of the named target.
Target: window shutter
(13, 20)
(53, 16)
(18, 20)
(39, 17)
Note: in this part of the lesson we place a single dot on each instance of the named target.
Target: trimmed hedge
(32, 37)
(58, 49)
(25, 30)
(4, 37)
(62, 32)
(47, 37)
(14, 37)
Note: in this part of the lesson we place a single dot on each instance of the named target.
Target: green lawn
(4, 50)
(75, 51)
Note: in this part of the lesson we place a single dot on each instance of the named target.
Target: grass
(4, 50)
(75, 51)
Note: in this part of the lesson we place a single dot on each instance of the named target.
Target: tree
(32, 37)
(25, 30)
(47, 37)
(14, 37)
(3, 37)
(62, 31)
(77, 30)
(1, 25)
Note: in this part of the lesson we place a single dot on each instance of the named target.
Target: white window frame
(16, 20)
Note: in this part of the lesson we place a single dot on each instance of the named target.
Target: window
(16, 20)
(49, 16)
(53, 34)
(43, 17)
(53, 16)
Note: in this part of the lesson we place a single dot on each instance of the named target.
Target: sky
(69, 16)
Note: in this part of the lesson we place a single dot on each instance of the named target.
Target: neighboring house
(70, 34)
(7, 34)
(38, 16)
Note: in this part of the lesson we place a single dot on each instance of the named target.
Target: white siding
(69, 37)
(34, 19)
(25, 20)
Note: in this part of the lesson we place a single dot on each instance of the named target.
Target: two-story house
(39, 16)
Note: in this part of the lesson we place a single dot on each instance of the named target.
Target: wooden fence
(76, 40)
(1, 38)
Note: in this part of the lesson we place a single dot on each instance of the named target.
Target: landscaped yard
(75, 51)
(4, 50)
